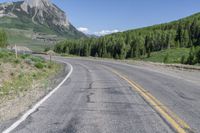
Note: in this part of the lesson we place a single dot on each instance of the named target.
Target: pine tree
(185, 40)
(193, 31)
(179, 34)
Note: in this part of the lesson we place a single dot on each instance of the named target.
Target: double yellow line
(171, 118)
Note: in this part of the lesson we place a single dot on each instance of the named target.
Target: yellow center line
(179, 125)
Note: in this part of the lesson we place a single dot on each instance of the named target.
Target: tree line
(184, 33)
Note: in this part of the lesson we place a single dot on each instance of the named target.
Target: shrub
(24, 56)
(16, 61)
(34, 75)
(20, 75)
(183, 59)
(39, 65)
(197, 54)
(47, 49)
(12, 74)
(166, 58)
(4, 54)
(1, 55)
(37, 59)
(191, 58)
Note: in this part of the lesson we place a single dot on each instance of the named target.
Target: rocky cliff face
(40, 4)
(42, 7)
(41, 15)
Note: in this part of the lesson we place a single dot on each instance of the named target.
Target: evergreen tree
(137, 43)
(193, 31)
(185, 40)
(179, 35)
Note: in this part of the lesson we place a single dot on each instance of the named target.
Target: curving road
(96, 100)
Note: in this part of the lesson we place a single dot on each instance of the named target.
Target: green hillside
(168, 56)
(24, 21)
(140, 43)
(24, 38)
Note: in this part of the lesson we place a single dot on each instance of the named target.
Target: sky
(105, 16)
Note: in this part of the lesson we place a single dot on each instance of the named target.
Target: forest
(183, 33)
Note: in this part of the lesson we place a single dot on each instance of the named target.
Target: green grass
(21, 81)
(24, 22)
(174, 55)
(24, 38)
(24, 81)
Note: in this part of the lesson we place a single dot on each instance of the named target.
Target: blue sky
(102, 16)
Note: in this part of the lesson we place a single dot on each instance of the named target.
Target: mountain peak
(44, 8)
(37, 3)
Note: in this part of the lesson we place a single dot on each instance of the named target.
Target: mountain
(39, 16)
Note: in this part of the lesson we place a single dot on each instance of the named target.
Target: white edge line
(37, 105)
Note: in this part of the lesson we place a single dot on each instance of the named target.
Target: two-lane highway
(96, 100)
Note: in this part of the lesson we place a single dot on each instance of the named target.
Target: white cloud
(100, 33)
(83, 29)
(105, 32)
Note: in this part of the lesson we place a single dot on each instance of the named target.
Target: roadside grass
(30, 70)
(69, 55)
(24, 81)
(168, 56)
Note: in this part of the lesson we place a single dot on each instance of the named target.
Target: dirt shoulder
(13, 106)
(17, 96)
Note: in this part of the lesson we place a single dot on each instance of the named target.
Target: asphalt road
(95, 100)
